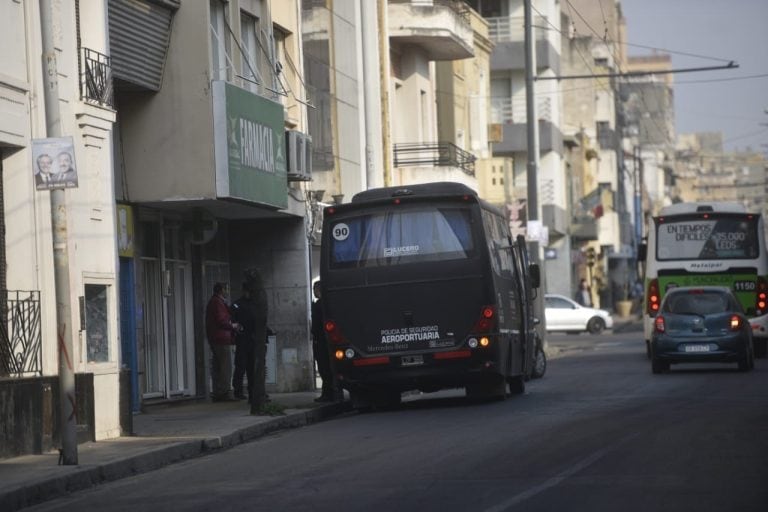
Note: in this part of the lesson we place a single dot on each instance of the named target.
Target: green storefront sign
(250, 146)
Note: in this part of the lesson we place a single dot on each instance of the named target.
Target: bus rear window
(401, 236)
(707, 239)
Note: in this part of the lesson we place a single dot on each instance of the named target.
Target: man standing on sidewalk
(219, 329)
(245, 313)
(259, 310)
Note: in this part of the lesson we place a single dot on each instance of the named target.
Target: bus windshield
(400, 236)
(714, 238)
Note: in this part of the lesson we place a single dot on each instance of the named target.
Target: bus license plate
(697, 348)
(412, 360)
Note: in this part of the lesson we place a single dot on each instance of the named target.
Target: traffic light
(591, 257)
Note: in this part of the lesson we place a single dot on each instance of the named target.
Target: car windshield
(699, 303)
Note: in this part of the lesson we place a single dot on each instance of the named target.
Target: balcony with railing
(424, 162)
(96, 78)
(440, 27)
(20, 334)
(511, 118)
(508, 33)
(513, 111)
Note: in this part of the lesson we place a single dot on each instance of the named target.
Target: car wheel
(595, 325)
(760, 347)
(746, 363)
(659, 366)
(539, 363)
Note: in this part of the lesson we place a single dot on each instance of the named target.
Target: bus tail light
(333, 332)
(653, 298)
(487, 320)
(761, 300)
(658, 324)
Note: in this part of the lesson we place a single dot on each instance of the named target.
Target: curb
(84, 477)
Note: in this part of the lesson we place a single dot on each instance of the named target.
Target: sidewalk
(163, 435)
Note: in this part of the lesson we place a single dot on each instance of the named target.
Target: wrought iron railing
(96, 77)
(20, 334)
(434, 154)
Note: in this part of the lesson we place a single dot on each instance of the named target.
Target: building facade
(29, 356)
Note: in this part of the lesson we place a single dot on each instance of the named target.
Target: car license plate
(412, 360)
(696, 348)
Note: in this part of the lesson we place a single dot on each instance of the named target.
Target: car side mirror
(535, 272)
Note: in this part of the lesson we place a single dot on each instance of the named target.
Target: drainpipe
(374, 157)
(384, 80)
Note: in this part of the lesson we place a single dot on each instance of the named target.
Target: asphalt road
(599, 432)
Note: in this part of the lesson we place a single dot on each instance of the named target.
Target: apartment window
(96, 323)
(219, 40)
(280, 60)
(250, 71)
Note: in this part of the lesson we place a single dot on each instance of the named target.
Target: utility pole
(532, 125)
(67, 396)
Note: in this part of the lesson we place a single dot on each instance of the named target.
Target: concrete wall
(181, 111)
(279, 250)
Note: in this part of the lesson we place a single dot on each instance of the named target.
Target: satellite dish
(203, 227)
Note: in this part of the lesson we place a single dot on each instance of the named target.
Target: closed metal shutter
(139, 34)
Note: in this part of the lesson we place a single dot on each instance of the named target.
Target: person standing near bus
(584, 294)
(320, 348)
(220, 329)
(259, 311)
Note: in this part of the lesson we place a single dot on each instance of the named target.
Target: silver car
(564, 314)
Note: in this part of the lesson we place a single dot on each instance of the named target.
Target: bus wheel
(364, 400)
(487, 389)
(517, 385)
(539, 363)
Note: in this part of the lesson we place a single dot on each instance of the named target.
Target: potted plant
(624, 304)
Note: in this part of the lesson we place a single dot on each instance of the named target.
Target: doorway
(168, 321)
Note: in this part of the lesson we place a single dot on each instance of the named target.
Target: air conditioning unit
(298, 150)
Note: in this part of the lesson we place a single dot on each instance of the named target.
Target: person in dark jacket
(244, 312)
(220, 329)
(257, 313)
(320, 348)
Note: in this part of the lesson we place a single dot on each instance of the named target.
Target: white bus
(717, 243)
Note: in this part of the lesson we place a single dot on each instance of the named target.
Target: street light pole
(67, 396)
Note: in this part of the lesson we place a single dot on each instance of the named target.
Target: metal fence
(434, 154)
(96, 78)
(20, 334)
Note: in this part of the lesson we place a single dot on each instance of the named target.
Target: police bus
(700, 244)
(424, 289)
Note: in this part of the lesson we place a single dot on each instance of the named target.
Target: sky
(723, 29)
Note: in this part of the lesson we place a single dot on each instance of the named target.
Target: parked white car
(564, 314)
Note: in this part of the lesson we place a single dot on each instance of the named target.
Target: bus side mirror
(642, 252)
(533, 269)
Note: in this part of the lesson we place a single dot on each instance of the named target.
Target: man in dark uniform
(320, 348)
(244, 313)
(257, 308)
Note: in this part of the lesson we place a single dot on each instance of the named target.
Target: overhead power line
(632, 74)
